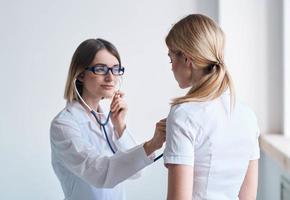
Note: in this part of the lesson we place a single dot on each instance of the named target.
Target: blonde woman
(212, 148)
(93, 153)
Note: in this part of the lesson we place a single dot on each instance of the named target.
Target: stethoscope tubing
(103, 124)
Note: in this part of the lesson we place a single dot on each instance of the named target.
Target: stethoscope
(103, 124)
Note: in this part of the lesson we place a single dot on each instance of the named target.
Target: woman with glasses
(91, 152)
(212, 147)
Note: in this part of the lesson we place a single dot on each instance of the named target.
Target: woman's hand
(158, 139)
(118, 109)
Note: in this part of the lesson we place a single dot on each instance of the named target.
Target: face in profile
(96, 84)
(182, 72)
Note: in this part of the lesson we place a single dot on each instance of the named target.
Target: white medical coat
(83, 161)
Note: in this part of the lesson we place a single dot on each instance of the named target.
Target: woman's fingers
(163, 120)
(118, 105)
(117, 95)
(161, 124)
(118, 109)
(120, 94)
(161, 129)
(117, 100)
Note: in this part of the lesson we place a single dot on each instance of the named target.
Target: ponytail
(212, 85)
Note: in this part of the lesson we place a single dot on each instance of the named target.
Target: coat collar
(78, 111)
(82, 116)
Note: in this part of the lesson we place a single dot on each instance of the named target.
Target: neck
(92, 102)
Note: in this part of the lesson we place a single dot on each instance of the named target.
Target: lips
(108, 87)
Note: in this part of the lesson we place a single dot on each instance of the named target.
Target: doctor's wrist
(120, 129)
(149, 147)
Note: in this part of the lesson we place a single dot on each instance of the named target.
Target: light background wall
(255, 57)
(38, 39)
(286, 71)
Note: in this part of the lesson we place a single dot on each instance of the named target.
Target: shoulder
(61, 121)
(246, 111)
(69, 118)
(185, 116)
(247, 117)
(72, 112)
(63, 116)
(187, 111)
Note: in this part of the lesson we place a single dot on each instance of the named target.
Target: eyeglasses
(99, 69)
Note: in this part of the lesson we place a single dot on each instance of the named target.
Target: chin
(108, 95)
(184, 86)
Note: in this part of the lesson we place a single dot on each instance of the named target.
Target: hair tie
(219, 62)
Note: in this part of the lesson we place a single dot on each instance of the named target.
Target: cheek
(183, 77)
(116, 80)
(176, 75)
(92, 82)
(173, 66)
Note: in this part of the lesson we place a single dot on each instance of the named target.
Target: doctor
(90, 160)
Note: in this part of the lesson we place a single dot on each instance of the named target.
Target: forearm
(180, 182)
(119, 129)
(249, 187)
(244, 196)
(107, 172)
(126, 164)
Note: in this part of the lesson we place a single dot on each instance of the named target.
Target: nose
(109, 76)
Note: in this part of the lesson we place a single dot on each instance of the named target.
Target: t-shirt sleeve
(180, 137)
(256, 149)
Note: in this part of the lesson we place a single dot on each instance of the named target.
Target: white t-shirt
(217, 142)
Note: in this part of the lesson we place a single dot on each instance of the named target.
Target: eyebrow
(103, 64)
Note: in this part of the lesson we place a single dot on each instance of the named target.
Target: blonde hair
(201, 39)
(82, 58)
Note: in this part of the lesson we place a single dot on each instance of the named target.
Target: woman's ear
(186, 60)
(189, 62)
(81, 77)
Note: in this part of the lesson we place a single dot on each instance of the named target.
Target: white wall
(37, 41)
(208, 7)
(254, 56)
(286, 53)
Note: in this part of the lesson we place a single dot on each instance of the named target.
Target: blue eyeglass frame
(121, 69)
